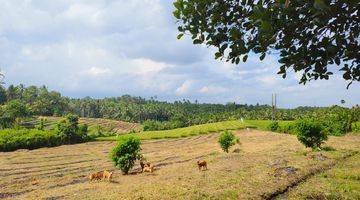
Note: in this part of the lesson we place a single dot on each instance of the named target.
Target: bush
(226, 140)
(125, 153)
(336, 120)
(273, 126)
(12, 113)
(286, 128)
(12, 139)
(310, 133)
(70, 129)
(355, 127)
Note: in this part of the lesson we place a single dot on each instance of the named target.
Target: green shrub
(125, 153)
(226, 140)
(286, 128)
(273, 126)
(336, 120)
(12, 113)
(12, 139)
(70, 129)
(310, 133)
(355, 127)
(97, 131)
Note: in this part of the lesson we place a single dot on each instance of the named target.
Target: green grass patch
(284, 126)
(340, 182)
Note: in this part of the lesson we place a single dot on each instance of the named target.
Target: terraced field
(267, 165)
(108, 125)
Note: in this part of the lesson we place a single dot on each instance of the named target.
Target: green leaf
(347, 75)
(178, 4)
(245, 58)
(180, 36)
(176, 14)
(218, 55)
(223, 47)
(197, 41)
(262, 56)
(337, 60)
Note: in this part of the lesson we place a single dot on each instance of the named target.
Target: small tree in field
(226, 140)
(310, 133)
(125, 153)
(72, 131)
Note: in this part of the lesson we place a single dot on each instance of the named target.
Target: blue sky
(102, 48)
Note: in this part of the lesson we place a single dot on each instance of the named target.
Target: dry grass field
(109, 125)
(268, 165)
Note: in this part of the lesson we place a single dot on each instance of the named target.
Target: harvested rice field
(265, 165)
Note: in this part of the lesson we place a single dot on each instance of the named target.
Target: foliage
(356, 127)
(310, 133)
(16, 109)
(154, 114)
(283, 126)
(12, 112)
(2, 95)
(226, 140)
(71, 130)
(274, 126)
(150, 125)
(308, 35)
(41, 125)
(97, 131)
(286, 128)
(125, 153)
(336, 120)
(12, 139)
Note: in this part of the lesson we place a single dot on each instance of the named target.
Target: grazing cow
(202, 164)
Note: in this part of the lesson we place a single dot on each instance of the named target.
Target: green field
(284, 127)
(263, 124)
(187, 131)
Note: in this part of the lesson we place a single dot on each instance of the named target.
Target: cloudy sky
(103, 48)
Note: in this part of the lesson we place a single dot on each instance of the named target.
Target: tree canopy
(309, 36)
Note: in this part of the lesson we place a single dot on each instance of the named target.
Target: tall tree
(308, 35)
(12, 93)
(2, 95)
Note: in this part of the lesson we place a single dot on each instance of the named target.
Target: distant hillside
(107, 125)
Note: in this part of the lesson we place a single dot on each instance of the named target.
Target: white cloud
(146, 66)
(85, 14)
(98, 71)
(112, 47)
(213, 90)
(268, 80)
(184, 88)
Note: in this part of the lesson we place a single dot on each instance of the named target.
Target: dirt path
(61, 172)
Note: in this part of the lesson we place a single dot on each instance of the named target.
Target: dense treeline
(154, 114)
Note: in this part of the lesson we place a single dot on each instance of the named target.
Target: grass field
(268, 165)
(263, 124)
(340, 182)
(187, 131)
